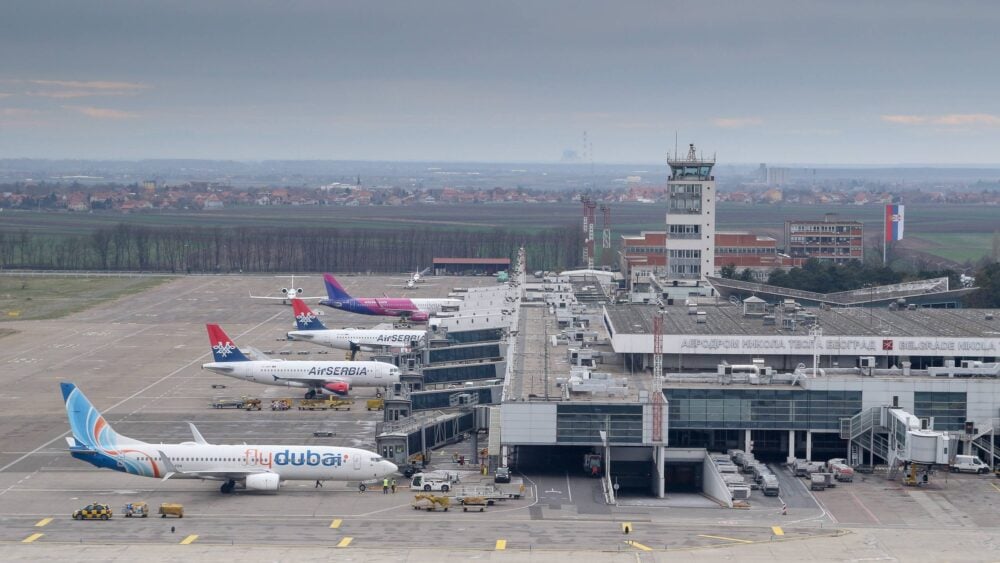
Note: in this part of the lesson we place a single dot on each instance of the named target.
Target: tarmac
(138, 360)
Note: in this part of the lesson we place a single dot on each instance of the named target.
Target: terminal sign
(798, 345)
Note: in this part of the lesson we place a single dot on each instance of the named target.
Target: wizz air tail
(334, 290)
(90, 431)
(305, 319)
(223, 348)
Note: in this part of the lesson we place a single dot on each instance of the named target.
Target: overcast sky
(906, 81)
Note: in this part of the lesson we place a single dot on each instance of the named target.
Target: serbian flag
(893, 222)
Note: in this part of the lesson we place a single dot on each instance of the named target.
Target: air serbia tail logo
(223, 348)
(305, 319)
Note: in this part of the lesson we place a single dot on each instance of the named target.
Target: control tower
(690, 240)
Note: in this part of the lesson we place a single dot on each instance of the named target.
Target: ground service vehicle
(431, 502)
(502, 475)
(324, 404)
(252, 404)
(592, 464)
(431, 482)
(817, 482)
(172, 510)
(474, 502)
(969, 464)
(228, 403)
(842, 472)
(375, 404)
(95, 511)
(769, 486)
(137, 509)
(281, 404)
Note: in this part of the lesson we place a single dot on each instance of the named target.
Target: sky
(799, 81)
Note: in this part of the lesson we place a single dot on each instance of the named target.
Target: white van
(969, 464)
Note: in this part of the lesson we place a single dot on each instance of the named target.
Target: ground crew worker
(393, 485)
(385, 486)
(318, 484)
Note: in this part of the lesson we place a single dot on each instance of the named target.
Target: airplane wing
(255, 354)
(424, 271)
(312, 381)
(209, 474)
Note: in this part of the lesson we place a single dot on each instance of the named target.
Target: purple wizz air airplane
(416, 310)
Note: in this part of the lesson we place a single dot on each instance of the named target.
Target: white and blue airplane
(323, 378)
(256, 468)
(311, 329)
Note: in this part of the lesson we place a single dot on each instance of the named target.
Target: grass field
(924, 222)
(50, 297)
(957, 246)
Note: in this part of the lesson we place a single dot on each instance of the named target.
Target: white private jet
(311, 329)
(256, 468)
(287, 292)
(320, 378)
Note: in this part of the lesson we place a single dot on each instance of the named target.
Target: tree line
(176, 249)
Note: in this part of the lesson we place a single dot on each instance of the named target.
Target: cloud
(736, 122)
(18, 112)
(102, 113)
(90, 84)
(5, 95)
(947, 120)
(68, 89)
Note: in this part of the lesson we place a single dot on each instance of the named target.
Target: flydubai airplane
(416, 310)
(320, 378)
(255, 468)
(311, 329)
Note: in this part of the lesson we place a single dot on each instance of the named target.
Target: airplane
(311, 329)
(414, 279)
(418, 277)
(287, 292)
(416, 310)
(255, 468)
(320, 378)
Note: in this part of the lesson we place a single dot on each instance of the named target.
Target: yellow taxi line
(345, 542)
(189, 540)
(32, 538)
(336, 523)
(43, 522)
(777, 530)
(638, 545)
(501, 545)
(995, 487)
(724, 538)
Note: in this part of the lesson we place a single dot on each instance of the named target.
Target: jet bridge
(895, 437)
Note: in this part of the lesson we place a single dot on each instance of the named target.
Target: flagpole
(885, 238)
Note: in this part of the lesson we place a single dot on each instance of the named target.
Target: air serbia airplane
(320, 378)
(257, 468)
(311, 329)
(416, 310)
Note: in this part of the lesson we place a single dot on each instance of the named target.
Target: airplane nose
(390, 467)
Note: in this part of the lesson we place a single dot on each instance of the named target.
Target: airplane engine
(298, 291)
(285, 290)
(419, 317)
(263, 482)
(339, 388)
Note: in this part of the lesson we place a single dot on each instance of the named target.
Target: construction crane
(589, 218)
(606, 235)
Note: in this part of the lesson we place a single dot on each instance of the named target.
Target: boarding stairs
(983, 440)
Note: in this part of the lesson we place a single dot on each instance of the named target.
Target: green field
(932, 229)
(50, 297)
(959, 247)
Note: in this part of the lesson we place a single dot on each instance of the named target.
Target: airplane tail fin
(223, 348)
(334, 290)
(305, 319)
(90, 430)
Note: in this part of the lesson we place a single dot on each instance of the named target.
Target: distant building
(470, 266)
(830, 239)
(757, 253)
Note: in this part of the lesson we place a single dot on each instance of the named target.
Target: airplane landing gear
(228, 487)
(311, 394)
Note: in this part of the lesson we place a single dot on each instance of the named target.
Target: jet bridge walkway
(895, 437)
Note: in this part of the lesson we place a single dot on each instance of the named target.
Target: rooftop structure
(830, 239)
(933, 292)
